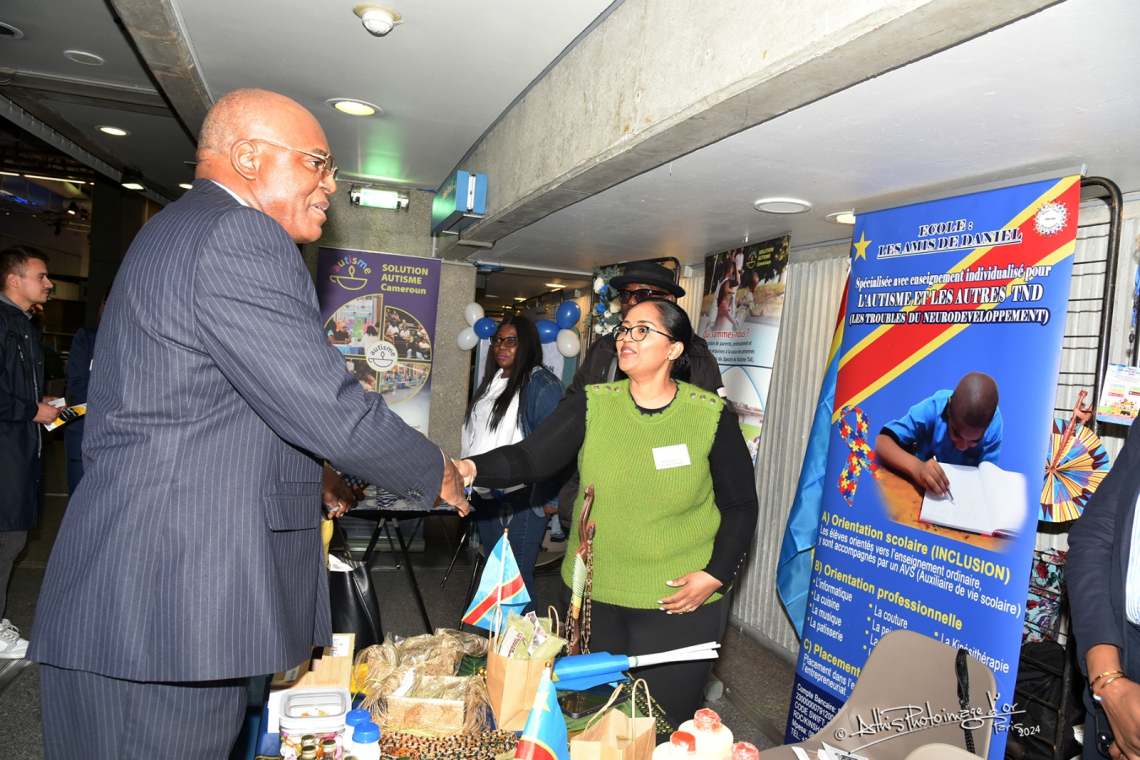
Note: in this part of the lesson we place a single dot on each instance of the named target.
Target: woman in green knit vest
(674, 505)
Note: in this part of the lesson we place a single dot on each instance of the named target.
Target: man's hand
(336, 493)
(1121, 702)
(696, 588)
(932, 477)
(452, 491)
(45, 414)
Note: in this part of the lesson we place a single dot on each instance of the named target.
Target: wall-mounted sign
(460, 202)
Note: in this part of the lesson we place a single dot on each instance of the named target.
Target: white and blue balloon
(560, 330)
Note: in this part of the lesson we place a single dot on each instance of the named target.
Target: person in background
(674, 501)
(516, 395)
(639, 281)
(79, 361)
(24, 284)
(1102, 572)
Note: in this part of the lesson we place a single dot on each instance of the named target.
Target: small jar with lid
(681, 744)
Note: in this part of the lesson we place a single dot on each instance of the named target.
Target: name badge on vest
(671, 456)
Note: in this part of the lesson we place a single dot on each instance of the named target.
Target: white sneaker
(12, 647)
(6, 623)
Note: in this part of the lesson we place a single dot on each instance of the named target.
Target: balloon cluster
(560, 330)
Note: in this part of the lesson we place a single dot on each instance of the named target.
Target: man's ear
(245, 159)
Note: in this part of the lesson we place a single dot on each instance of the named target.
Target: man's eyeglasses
(510, 341)
(641, 294)
(325, 164)
(638, 333)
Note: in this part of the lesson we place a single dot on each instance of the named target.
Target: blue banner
(943, 408)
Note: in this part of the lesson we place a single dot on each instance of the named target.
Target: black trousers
(87, 715)
(677, 687)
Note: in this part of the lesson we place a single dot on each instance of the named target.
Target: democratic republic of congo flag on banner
(947, 372)
(501, 585)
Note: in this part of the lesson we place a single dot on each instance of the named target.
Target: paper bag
(513, 685)
(615, 735)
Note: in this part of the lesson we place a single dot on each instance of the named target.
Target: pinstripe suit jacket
(190, 550)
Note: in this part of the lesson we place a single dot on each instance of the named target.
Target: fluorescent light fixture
(782, 206)
(555, 285)
(842, 217)
(519, 299)
(115, 131)
(10, 174)
(355, 107)
(133, 186)
(186, 186)
(55, 179)
(375, 197)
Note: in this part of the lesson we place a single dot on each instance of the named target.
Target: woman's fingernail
(661, 601)
(667, 612)
(668, 583)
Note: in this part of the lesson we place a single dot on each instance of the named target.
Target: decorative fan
(1074, 467)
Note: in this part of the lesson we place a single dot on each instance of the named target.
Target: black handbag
(352, 597)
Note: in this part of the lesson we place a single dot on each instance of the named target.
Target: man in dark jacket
(23, 283)
(639, 281)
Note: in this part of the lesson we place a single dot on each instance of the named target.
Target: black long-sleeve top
(555, 443)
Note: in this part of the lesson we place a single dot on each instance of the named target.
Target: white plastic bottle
(366, 741)
(714, 740)
(680, 745)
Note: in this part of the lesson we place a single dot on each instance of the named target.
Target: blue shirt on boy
(925, 428)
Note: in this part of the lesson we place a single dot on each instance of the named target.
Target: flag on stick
(544, 737)
(501, 585)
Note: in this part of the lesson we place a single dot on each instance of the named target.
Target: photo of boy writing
(960, 427)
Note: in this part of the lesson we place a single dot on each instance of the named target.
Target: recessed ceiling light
(781, 206)
(186, 186)
(355, 107)
(842, 217)
(116, 131)
(9, 32)
(133, 186)
(87, 59)
(555, 285)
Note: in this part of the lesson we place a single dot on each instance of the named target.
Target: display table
(387, 511)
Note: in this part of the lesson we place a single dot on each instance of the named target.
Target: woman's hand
(1121, 702)
(467, 470)
(336, 493)
(696, 588)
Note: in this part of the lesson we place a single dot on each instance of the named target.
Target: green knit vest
(651, 525)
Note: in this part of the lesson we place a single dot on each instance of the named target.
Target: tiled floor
(754, 706)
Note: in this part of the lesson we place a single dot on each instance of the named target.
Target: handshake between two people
(457, 476)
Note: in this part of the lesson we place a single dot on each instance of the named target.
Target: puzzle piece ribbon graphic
(861, 454)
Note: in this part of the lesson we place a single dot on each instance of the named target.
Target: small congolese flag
(544, 737)
(501, 586)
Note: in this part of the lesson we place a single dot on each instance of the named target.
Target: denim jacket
(542, 395)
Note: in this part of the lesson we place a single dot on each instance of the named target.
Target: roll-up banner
(740, 320)
(943, 408)
(379, 311)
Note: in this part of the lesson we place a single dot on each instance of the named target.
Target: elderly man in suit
(190, 556)
(1103, 568)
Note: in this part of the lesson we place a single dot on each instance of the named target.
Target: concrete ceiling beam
(158, 37)
(658, 80)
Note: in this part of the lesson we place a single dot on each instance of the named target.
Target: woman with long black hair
(517, 393)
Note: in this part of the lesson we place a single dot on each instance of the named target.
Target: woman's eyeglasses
(510, 341)
(638, 333)
(641, 294)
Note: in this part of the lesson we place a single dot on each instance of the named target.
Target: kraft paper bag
(513, 685)
(615, 735)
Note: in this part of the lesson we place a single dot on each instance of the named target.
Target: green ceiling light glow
(375, 197)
